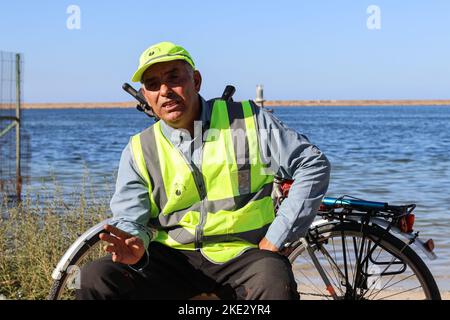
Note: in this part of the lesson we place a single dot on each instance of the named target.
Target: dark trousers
(177, 274)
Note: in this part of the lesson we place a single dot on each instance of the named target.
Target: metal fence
(14, 141)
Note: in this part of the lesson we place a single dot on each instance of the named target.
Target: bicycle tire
(58, 286)
(387, 241)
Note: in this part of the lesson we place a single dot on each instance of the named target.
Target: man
(193, 196)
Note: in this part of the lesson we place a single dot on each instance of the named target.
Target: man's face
(171, 88)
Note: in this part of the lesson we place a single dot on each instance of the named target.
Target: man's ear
(147, 109)
(197, 80)
(143, 94)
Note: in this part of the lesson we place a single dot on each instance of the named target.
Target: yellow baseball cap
(161, 52)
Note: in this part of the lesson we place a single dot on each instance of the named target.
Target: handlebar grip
(228, 93)
(128, 88)
(137, 95)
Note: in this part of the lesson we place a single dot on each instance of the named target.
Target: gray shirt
(290, 155)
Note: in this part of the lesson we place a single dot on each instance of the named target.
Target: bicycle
(353, 251)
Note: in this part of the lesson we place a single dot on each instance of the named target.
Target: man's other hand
(124, 247)
(265, 244)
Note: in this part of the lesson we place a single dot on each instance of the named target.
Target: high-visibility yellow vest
(224, 207)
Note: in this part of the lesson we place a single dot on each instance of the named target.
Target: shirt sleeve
(291, 156)
(130, 203)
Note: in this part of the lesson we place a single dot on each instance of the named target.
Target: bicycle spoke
(373, 294)
(330, 261)
(335, 259)
(387, 267)
(325, 256)
(313, 267)
(373, 284)
(397, 293)
(401, 280)
(330, 278)
(387, 287)
(335, 268)
(315, 288)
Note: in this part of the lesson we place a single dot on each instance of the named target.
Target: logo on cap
(153, 51)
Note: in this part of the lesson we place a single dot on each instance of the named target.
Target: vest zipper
(200, 184)
(198, 177)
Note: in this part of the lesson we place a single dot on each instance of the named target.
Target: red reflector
(406, 223)
(410, 218)
(402, 224)
(330, 289)
(429, 245)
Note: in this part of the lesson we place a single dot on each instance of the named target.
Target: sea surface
(391, 154)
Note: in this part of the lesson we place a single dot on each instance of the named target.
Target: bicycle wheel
(360, 263)
(87, 248)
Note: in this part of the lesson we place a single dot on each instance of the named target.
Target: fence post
(18, 105)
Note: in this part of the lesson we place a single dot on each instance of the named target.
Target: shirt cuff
(142, 264)
(277, 233)
(136, 229)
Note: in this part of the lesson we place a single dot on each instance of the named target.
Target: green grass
(35, 234)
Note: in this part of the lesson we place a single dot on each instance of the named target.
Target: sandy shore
(331, 103)
(271, 103)
(80, 105)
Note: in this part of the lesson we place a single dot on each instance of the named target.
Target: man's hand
(124, 247)
(265, 244)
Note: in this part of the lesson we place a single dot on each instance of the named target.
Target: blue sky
(296, 49)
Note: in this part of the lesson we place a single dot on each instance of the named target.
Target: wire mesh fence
(14, 140)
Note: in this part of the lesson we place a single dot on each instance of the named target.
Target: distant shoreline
(271, 103)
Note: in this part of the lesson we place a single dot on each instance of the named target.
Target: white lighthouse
(260, 95)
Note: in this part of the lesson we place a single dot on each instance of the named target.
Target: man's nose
(165, 89)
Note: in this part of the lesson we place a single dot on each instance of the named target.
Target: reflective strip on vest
(138, 154)
(238, 208)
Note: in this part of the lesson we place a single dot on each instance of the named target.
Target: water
(390, 154)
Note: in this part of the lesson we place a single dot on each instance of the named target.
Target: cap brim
(139, 72)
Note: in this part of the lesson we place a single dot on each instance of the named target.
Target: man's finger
(110, 248)
(111, 239)
(117, 232)
(134, 242)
